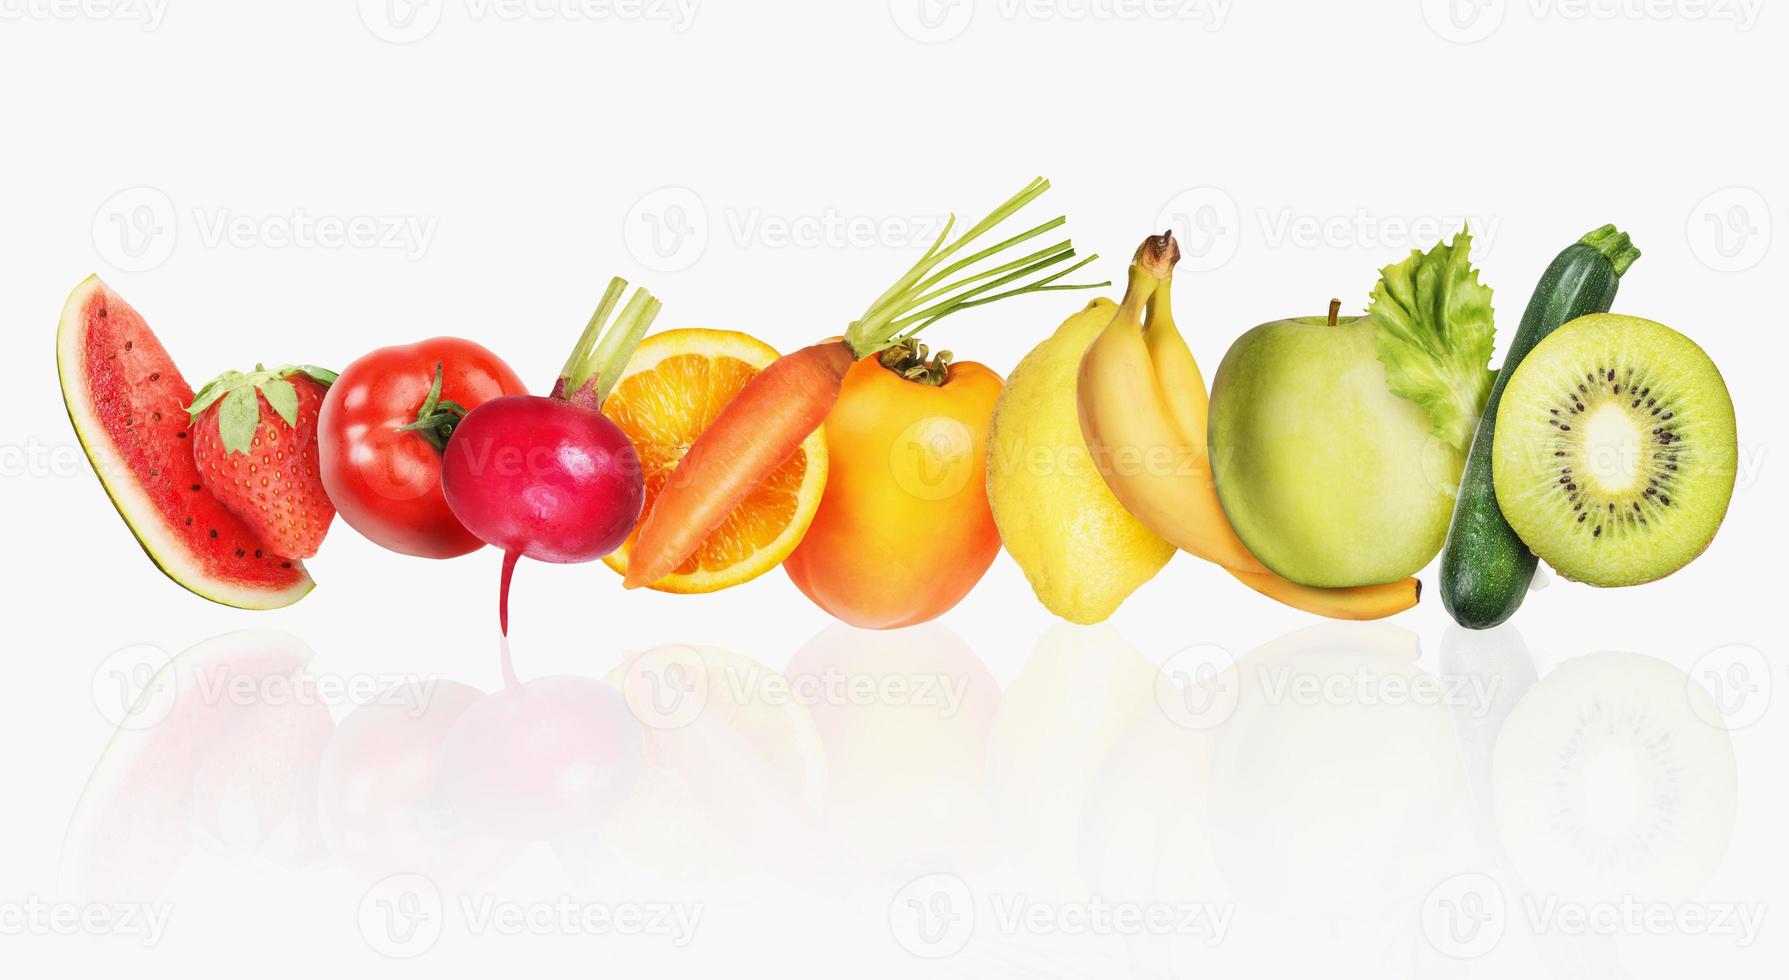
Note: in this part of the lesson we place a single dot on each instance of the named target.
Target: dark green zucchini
(1485, 567)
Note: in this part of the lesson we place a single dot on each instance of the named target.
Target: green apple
(1330, 478)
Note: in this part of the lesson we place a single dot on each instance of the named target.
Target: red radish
(552, 478)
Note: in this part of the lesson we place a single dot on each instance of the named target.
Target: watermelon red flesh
(128, 403)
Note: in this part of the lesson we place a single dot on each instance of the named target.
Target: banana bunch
(1143, 407)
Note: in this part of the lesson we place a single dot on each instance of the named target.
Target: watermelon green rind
(199, 563)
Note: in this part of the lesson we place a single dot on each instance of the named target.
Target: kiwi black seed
(1615, 451)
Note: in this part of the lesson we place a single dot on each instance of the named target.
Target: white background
(789, 157)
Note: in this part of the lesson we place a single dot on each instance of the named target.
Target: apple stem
(1335, 307)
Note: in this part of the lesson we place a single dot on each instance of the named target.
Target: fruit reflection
(1333, 795)
(383, 804)
(542, 760)
(1612, 782)
(1077, 696)
(734, 771)
(222, 753)
(904, 717)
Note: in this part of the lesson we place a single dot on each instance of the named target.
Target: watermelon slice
(128, 404)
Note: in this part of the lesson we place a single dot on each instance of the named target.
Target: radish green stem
(588, 339)
(928, 292)
(604, 348)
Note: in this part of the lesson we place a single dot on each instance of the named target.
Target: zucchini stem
(1614, 245)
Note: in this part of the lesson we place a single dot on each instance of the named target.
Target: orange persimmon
(903, 531)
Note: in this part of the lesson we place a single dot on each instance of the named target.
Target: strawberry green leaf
(237, 418)
(1435, 331)
(214, 389)
(320, 375)
(282, 398)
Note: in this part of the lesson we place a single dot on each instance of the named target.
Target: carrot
(749, 440)
(779, 408)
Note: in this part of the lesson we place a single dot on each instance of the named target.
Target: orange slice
(671, 390)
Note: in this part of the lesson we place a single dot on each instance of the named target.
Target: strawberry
(255, 440)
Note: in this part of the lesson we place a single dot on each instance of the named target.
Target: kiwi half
(1609, 783)
(1616, 451)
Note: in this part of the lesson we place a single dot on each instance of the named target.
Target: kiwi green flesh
(1615, 452)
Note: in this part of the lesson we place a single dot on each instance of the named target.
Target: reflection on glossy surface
(1609, 784)
(1500, 657)
(543, 759)
(214, 762)
(383, 804)
(1081, 691)
(1323, 786)
(734, 771)
(1333, 795)
(904, 717)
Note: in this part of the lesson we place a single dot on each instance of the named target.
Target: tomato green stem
(437, 417)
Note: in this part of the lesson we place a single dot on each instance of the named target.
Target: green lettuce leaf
(1435, 334)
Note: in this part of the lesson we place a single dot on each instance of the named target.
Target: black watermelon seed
(240, 552)
(214, 532)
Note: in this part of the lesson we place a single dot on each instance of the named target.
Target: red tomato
(386, 482)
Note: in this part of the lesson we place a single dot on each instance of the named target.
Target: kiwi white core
(1612, 446)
